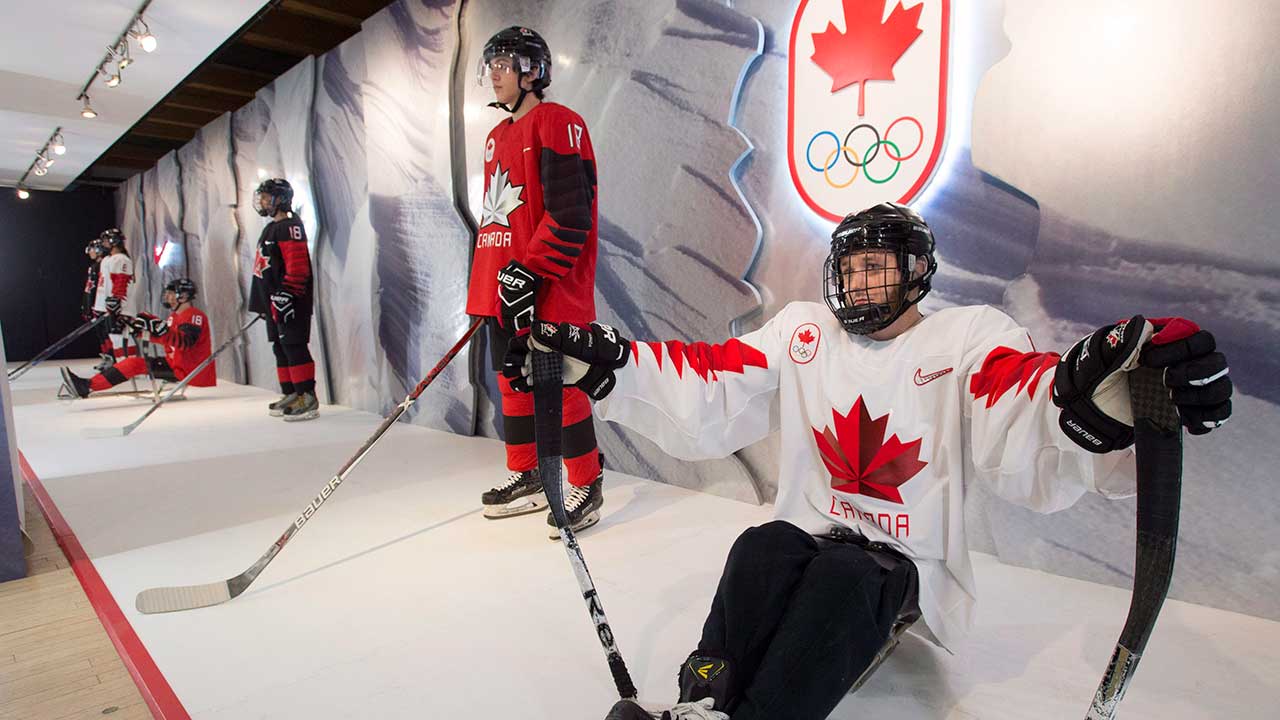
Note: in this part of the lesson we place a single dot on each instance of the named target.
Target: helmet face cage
(870, 295)
(112, 238)
(279, 194)
(183, 289)
(95, 246)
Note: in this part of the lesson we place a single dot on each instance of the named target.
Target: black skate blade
(529, 504)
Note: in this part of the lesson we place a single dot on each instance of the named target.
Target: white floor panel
(399, 600)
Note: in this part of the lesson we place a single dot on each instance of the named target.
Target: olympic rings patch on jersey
(804, 343)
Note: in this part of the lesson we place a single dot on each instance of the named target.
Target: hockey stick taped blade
(96, 433)
(187, 597)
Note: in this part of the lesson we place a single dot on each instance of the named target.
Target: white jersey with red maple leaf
(877, 436)
(115, 279)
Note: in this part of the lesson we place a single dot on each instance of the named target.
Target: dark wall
(42, 267)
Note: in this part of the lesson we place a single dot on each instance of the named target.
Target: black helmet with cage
(897, 277)
(279, 194)
(529, 56)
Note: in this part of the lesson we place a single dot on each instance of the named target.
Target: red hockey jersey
(192, 325)
(539, 208)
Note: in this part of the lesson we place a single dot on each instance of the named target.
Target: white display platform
(399, 600)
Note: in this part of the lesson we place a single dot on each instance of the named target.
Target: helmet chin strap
(514, 109)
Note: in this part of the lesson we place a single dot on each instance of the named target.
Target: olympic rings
(808, 151)
(832, 160)
(891, 150)
(896, 168)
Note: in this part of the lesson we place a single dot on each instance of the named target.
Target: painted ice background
(1112, 167)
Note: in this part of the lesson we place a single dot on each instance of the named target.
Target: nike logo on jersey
(923, 380)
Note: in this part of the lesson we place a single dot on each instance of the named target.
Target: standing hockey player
(185, 334)
(879, 408)
(536, 245)
(116, 289)
(95, 250)
(282, 286)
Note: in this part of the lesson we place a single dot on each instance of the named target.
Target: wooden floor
(56, 661)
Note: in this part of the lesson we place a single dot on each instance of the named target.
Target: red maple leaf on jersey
(861, 461)
(868, 49)
(260, 262)
(805, 337)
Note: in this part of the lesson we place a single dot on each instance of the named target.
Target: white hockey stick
(189, 597)
(105, 432)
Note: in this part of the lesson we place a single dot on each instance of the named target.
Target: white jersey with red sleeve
(115, 279)
(880, 436)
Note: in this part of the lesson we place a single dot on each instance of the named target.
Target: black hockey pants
(799, 618)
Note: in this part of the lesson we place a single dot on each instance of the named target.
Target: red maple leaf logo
(260, 262)
(806, 337)
(868, 49)
(861, 461)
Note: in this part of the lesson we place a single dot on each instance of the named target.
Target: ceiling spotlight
(59, 147)
(22, 193)
(87, 111)
(40, 170)
(144, 37)
(113, 79)
(121, 52)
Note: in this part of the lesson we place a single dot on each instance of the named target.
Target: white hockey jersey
(877, 435)
(115, 277)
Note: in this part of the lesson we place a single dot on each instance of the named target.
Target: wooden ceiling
(282, 34)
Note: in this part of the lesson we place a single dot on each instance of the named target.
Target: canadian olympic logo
(866, 101)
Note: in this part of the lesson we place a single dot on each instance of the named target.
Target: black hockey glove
(1195, 374)
(1091, 388)
(591, 355)
(113, 304)
(187, 335)
(282, 308)
(140, 323)
(517, 288)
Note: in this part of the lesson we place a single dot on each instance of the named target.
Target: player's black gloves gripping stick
(517, 288)
(1194, 372)
(282, 304)
(591, 355)
(1092, 391)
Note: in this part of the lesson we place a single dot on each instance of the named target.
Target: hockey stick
(548, 409)
(1158, 442)
(101, 432)
(48, 352)
(189, 597)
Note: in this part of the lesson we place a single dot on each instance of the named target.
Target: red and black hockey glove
(1091, 389)
(1194, 372)
(517, 289)
(591, 355)
(282, 306)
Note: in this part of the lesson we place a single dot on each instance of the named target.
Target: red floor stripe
(155, 689)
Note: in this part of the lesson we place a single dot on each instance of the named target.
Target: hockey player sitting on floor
(885, 415)
(185, 335)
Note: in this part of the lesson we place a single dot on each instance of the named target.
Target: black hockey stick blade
(190, 597)
(548, 411)
(1158, 445)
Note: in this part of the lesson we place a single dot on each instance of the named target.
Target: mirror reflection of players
(185, 335)
(282, 291)
(537, 240)
(886, 415)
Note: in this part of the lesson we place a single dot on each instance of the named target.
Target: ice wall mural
(422, 243)
(209, 226)
(675, 236)
(347, 251)
(271, 137)
(165, 247)
(1038, 210)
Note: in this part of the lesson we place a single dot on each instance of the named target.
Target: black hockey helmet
(863, 296)
(529, 55)
(112, 238)
(280, 193)
(184, 288)
(95, 246)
